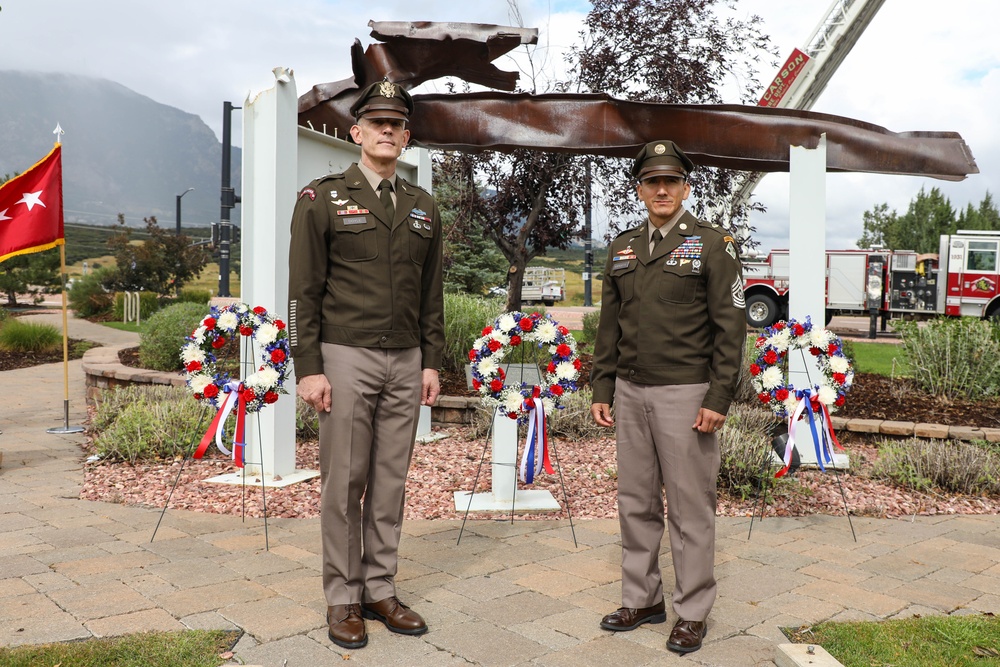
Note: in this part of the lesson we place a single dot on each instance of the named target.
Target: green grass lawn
(879, 358)
(192, 648)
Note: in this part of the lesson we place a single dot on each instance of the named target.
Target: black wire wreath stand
(486, 444)
(248, 362)
(779, 438)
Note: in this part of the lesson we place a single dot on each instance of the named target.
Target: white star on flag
(4, 216)
(31, 198)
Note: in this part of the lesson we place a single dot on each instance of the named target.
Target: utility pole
(179, 209)
(588, 252)
(228, 198)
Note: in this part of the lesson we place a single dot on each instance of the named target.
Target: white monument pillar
(807, 270)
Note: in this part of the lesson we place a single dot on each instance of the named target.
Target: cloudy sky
(919, 66)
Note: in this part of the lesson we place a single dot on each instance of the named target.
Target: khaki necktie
(385, 190)
(657, 237)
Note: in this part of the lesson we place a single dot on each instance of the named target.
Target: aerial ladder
(805, 74)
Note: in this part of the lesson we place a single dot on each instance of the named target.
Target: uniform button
(384, 338)
(631, 372)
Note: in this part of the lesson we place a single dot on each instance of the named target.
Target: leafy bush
(744, 389)
(306, 421)
(952, 465)
(89, 297)
(161, 339)
(745, 446)
(18, 336)
(590, 321)
(953, 357)
(194, 295)
(464, 319)
(142, 423)
(149, 303)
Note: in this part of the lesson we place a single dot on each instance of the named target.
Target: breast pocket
(419, 239)
(355, 238)
(623, 273)
(678, 284)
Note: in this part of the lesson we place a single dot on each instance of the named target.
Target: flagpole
(65, 428)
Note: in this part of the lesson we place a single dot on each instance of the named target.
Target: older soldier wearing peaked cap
(366, 324)
(668, 350)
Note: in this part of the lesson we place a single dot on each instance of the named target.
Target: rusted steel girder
(731, 136)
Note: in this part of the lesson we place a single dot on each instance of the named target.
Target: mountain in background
(122, 151)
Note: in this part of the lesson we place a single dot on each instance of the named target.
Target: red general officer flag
(31, 210)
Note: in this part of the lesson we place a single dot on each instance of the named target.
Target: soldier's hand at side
(601, 412)
(315, 390)
(430, 387)
(708, 421)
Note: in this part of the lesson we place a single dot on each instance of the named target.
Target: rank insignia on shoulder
(308, 192)
(353, 210)
(340, 202)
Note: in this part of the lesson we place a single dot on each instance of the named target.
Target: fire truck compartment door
(845, 280)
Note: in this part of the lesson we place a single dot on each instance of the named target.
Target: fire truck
(960, 280)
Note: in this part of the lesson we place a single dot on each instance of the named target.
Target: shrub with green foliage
(953, 357)
(89, 297)
(161, 339)
(464, 319)
(951, 465)
(149, 303)
(194, 295)
(745, 445)
(19, 336)
(142, 423)
(590, 320)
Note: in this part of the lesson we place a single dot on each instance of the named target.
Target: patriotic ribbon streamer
(536, 445)
(234, 399)
(823, 440)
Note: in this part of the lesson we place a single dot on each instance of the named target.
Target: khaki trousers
(658, 450)
(365, 445)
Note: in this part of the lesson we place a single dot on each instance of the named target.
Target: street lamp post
(179, 209)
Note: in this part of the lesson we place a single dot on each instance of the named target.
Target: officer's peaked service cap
(661, 158)
(383, 99)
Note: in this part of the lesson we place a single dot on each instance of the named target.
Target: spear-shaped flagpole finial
(58, 132)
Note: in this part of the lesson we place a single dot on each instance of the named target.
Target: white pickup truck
(543, 285)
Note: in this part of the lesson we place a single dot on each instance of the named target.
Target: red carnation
(248, 395)
(279, 324)
(576, 364)
(193, 366)
(219, 342)
(798, 330)
(487, 331)
(781, 394)
(472, 354)
(277, 356)
(246, 331)
(496, 385)
(260, 310)
(839, 378)
(209, 323)
(494, 345)
(556, 390)
(754, 370)
(526, 324)
(501, 373)
(551, 368)
(764, 397)
(761, 340)
(779, 326)
(840, 401)
(564, 350)
(476, 384)
(211, 391)
(270, 397)
(515, 340)
(199, 396)
(815, 351)
(832, 349)
(562, 330)
(512, 415)
(771, 357)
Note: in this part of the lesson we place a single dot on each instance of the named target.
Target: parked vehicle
(961, 279)
(543, 285)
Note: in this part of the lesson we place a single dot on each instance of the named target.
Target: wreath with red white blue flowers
(769, 375)
(270, 339)
(510, 331)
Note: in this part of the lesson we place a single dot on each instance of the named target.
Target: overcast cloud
(919, 66)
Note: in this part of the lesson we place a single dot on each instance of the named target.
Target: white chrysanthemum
(227, 321)
(267, 377)
(487, 367)
(501, 338)
(239, 308)
(771, 378)
(820, 338)
(566, 371)
(191, 353)
(790, 402)
(827, 394)
(199, 335)
(199, 381)
(839, 364)
(512, 400)
(546, 331)
(506, 322)
(266, 334)
(780, 340)
(550, 405)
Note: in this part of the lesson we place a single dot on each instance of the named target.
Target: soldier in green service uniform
(366, 326)
(667, 355)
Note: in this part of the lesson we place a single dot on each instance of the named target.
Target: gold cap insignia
(387, 89)
(660, 149)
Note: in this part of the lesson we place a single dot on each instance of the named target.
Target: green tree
(162, 263)
(928, 217)
(879, 226)
(32, 274)
(985, 217)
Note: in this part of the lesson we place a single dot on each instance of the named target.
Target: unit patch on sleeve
(731, 250)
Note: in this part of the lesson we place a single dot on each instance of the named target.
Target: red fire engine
(961, 279)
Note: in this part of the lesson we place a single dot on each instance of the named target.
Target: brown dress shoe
(686, 636)
(396, 616)
(347, 628)
(629, 619)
